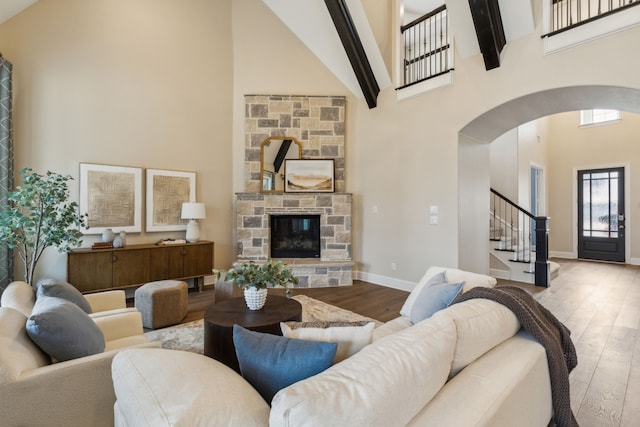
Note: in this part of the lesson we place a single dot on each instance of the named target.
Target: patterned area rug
(190, 336)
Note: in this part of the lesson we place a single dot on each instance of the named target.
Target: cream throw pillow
(453, 275)
(351, 337)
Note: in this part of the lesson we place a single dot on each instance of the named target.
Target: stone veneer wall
(316, 121)
(334, 268)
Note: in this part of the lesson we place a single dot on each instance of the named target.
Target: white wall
(163, 87)
(145, 83)
(574, 148)
(504, 164)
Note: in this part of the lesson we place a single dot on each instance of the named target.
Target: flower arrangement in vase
(254, 278)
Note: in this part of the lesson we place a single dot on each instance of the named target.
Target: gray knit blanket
(549, 331)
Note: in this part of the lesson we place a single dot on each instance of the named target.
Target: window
(592, 117)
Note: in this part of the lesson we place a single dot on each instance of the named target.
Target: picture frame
(166, 191)
(309, 176)
(111, 196)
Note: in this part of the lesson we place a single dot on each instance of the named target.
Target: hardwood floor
(598, 302)
(378, 302)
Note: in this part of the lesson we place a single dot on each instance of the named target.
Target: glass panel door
(601, 213)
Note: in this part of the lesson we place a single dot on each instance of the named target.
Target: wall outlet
(393, 266)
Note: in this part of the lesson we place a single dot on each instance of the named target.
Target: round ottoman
(162, 303)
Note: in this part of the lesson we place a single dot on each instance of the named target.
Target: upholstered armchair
(37, 390)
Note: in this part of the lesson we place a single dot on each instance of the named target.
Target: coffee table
(220, 318)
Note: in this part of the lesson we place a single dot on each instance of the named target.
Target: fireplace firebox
(295, 236)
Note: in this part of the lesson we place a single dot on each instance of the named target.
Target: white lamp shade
(193, 211)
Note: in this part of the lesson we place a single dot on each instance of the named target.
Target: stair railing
(567, 14)
(522, 233)
(426, 47)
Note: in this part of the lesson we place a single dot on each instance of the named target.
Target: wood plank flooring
(599, 303)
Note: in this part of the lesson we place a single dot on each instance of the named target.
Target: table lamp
(192, 212)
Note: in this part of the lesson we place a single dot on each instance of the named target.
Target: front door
(601, 214)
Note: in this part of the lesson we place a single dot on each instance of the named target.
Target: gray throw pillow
(55, 288)
(62, 330)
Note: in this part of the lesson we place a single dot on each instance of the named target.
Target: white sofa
(467, 365)
(36, 392)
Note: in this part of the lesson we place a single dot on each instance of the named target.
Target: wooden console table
(92, 270)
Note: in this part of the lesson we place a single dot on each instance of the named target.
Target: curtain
(6, 162)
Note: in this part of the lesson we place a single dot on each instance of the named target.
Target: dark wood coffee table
(220, 318)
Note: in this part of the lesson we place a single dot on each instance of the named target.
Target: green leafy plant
(40, 215)
(260, 276)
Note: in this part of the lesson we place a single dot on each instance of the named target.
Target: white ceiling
(10, 8)
(310, 21)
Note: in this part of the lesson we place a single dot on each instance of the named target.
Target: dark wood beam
(355, 52)
(489, 30)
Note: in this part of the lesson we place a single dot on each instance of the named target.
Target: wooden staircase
(519, 243)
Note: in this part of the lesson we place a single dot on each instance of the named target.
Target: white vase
(123, 237)
(107, 235)
(255, 298)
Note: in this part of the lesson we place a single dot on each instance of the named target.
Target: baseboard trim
(389, 282)
(570, 255)
(565, 255)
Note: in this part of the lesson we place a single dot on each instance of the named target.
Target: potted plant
(38, 215)
(255, 278)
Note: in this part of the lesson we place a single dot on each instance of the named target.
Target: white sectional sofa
(34, 391)
(468, 365)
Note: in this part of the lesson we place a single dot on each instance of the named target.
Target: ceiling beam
(355, 52)
(489, 30)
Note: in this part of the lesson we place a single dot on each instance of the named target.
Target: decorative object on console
(117, 242)
(111, 196)
(166, 192)
(193, 212)
(309, 175)
(38, 215)
(107, 235)
(250, 275)
(123, 236)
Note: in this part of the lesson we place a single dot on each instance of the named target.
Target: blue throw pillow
(53, 288)
(62, 330)
(433, 298)
(271, 362)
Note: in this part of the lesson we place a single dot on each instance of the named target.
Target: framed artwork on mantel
(111, 196)
(309, 176)
(166, 191)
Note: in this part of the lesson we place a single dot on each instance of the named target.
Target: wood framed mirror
(273, 151)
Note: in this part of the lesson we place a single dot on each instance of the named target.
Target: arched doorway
(473, 154)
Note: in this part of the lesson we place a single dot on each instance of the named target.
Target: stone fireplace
(317, 122)
(334, 267)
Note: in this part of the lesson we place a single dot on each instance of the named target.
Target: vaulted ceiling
(10, 8)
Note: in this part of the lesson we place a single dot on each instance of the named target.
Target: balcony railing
(567, 14)
(426, 47)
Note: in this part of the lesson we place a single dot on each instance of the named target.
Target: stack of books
(102, 245)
